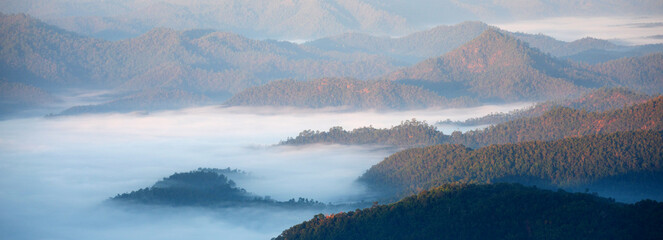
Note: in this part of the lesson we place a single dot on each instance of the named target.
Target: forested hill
(567, 122)
(205, 187)
(500, 211)
(200, 61)
(410, 133)
(556, 123)
(634, 160)
(343, 92)
(495, 66)
(600, 100)
(644, 74)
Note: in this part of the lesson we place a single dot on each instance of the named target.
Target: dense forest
(498, 211)
(200, 61)
(563, 122)
(410, 133)
(205, 187)
(556, 123)
(343, 92)
(495, 66)
(633, 158)
(599, 100)
(643, 74)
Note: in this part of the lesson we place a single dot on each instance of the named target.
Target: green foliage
(567, 162)
(499, 211)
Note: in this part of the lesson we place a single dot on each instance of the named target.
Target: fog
(623, 30)
(56, 174)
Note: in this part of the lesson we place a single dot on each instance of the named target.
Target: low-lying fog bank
(55, 174)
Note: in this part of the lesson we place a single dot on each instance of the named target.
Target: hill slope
(627, 164)
(204, 187)
(342, 92)
(566, 122)
(499, 211)
(200, 61)
(600, 100)
(555, 123)
(495, 66)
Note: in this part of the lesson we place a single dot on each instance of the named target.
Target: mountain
(499, 211)
(196, 60)
(283, 19)
(442, 39)
(16, 97)
(562, 122)
(559, 48)
(556, 123)
(201, 62)
(643, 74)
(150, 100)
(410, 48)
(600, 100)
(495, 66)
(625, 165)
(595, 56)
(342, 92)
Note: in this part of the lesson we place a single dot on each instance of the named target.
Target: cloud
(631, 30)
(56, 173)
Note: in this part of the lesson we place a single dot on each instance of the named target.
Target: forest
(593, 161)
(556, 123)
(599, 100)
(342, 92)
(206, 187)
(490, 211)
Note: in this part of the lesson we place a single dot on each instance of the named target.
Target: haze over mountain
(497, 66)
(293, 19)
(104, 97)
(555, 123)
(344, 93)
(199, 67)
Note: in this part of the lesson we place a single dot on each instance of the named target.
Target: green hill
(632, 159)
(501, 211)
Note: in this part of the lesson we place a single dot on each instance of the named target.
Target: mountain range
(493, 67)
(297, 19)
(199, 67)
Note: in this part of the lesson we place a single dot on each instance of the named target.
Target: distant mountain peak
(490, 49)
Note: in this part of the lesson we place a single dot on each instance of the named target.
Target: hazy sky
(565, 19)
